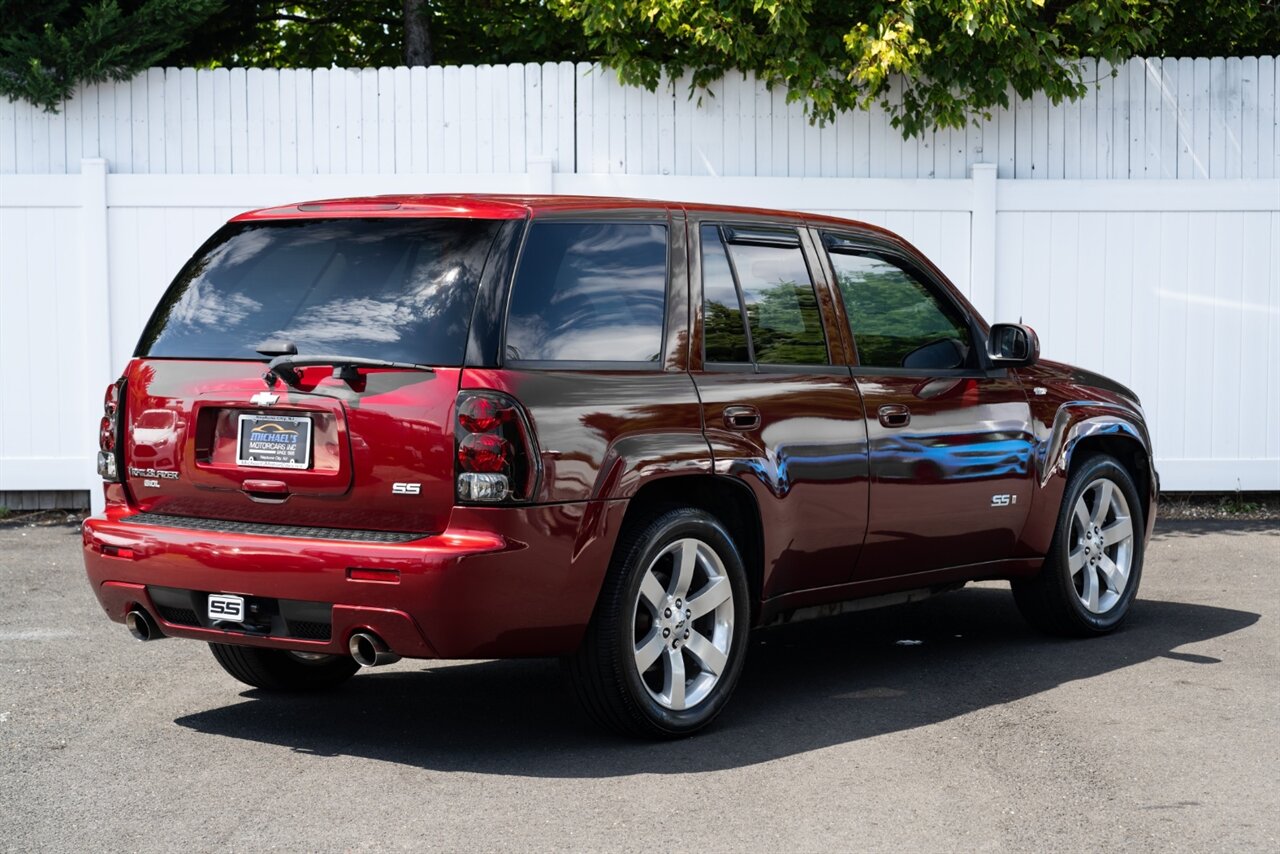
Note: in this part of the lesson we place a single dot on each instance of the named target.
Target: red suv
(623, 432)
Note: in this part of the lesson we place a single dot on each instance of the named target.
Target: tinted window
(894, 316)
(400, 290)
(782, 310)
(589, 291)
(723, 333)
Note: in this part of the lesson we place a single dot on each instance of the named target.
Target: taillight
(496, 456)
(109, 456)
(484, 452)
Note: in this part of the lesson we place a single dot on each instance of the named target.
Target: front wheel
(665, 647)
(283, 670)
(1091, 574)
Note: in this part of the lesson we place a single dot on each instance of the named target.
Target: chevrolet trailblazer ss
(620, 432)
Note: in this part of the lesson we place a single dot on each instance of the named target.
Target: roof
(493, 206)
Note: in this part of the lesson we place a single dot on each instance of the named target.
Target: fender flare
(636, 459)
(1075, 422)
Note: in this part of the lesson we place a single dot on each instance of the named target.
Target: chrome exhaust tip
(368, 650)
(141, 626)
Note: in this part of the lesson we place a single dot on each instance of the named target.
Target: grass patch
(1219, 505)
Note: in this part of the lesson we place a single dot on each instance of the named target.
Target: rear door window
(590, 292)
(395, 289)
(774, 291)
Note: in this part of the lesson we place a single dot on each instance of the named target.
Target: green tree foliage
(46, 48)
(1222, 28)
(955, 57)
(370, 33)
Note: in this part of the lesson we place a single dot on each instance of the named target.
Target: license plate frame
(275, 454)
(224, 608)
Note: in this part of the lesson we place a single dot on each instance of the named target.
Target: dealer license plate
(274, 441)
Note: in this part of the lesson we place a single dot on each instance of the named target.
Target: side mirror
(1012, 345)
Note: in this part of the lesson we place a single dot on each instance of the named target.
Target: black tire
(1050, 601)
(603, 671)
(280, 670)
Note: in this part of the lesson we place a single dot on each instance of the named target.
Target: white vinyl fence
(1152, 256)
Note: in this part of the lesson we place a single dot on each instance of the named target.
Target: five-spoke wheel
(1102, 545)
(666, 644)
(683, 624)
(1091, 574)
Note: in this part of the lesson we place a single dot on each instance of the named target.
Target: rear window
(589, 292)
(399, 290)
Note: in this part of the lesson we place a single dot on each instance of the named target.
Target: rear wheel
(283, 670)
(1091, 574)
(665, 647)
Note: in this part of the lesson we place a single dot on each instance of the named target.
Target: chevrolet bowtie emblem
(264, 398)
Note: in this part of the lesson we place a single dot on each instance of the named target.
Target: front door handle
(741, 417)
(895, 415)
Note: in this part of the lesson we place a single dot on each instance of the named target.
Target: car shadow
(805, 686)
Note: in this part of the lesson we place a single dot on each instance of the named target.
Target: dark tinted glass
(782, 309)
(723, 333)
(400, 290)
(589, 292)
(893, 314)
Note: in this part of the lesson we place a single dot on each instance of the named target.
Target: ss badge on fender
(406, 488)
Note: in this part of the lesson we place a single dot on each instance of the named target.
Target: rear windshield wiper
(345, 368)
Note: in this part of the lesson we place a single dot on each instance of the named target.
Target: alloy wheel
(1101, 556)
(682, 624)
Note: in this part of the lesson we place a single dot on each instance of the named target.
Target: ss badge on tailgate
(406, 488)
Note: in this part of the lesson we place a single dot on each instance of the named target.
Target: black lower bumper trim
(302, 532)
(263, 615)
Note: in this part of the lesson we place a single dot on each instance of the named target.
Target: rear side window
(395, 289)
(766, 279)
(592, 292)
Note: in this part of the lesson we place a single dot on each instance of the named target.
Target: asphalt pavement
(982, 736)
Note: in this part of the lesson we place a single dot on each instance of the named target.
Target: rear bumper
(501, 582)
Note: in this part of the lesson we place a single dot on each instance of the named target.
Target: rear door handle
(895, 415)
(741, 417)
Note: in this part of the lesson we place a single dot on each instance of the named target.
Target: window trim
(659, 365)
(755, 237)
(867, 243)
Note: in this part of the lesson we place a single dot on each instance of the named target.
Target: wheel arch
(1080, 430)
(1128, 451)
(730, 501)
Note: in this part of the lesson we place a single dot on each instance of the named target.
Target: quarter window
(589, 292)
(896, 320)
